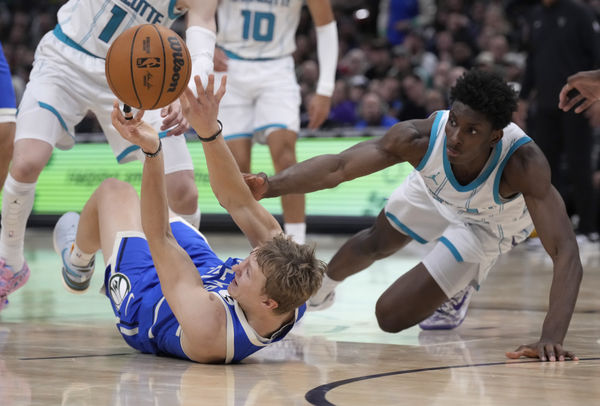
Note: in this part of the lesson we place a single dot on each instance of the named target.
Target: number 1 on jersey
(263, 25)
(118, 14)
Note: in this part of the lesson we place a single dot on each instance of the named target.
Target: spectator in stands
(373, 112)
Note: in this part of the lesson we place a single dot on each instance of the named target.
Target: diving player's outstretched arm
(404, 142)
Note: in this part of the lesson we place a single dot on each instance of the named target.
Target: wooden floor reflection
(61, 349)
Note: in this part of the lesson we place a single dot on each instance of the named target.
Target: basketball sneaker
(451, 313)
(11, 281)
(76, 279)
(312, 305)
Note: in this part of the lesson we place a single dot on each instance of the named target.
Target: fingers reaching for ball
(202, 111)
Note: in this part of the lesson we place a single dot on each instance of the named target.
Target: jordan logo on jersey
(118, 287)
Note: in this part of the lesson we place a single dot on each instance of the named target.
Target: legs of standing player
(282, 144)
(29, 158)
(182, 194)
(7, 139)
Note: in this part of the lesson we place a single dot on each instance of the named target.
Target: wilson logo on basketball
(147, 63)
(178, 62)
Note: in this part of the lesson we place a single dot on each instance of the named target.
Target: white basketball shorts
(262, 96)
(464, 253)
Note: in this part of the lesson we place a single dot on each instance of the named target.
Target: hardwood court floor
(61, 349)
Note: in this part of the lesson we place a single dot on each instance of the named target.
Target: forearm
(320, 172)
(563, 296)
(224, 174)
(327, 54)
(154, 205)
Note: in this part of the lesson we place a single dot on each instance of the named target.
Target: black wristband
(152, 155)
(215, 135)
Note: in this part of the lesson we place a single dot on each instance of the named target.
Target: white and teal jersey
(479, 202)
(258, 29)
(92, 25)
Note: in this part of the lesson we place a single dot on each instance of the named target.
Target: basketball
(148, 66)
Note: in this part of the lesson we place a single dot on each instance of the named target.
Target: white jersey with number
(92, 25)
(258, 29)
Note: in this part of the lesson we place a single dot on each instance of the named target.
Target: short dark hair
(488, 94)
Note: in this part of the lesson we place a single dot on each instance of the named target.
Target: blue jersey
(7, 92)
(145, 319)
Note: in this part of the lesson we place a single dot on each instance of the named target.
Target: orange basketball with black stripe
(148, 66)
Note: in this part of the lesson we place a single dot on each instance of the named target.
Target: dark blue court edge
(316, 396)
(78, 356)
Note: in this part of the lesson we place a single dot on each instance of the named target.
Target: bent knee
(113, 187)
(390, 318)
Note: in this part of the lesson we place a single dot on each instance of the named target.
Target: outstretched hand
(257, 183)
(545, 351)
(587, 84)
(134, 129)
(173, 117)
(201, 112)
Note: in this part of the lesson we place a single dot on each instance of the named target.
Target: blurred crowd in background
(397, 60)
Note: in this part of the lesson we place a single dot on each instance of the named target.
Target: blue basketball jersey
(145, 319)
(7, 92)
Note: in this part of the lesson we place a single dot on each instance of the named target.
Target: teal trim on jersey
(512, 149)
(233, 55)
(452, 249)
(58, 32)
(275, 125)
(235, 136)
(58, 116)
(432, 138)
(406, 230)
(172, 14)
(132, 148)
(482, 176)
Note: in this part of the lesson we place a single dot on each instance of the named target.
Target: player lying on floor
(170, 292)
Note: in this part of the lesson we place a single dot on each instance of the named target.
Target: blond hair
(293, 273)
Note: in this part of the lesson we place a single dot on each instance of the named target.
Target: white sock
(193, 219)
(17, 202)
(78, 257)
(327, 286)
(297, 231)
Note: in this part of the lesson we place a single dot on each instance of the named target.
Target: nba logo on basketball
(147, 62)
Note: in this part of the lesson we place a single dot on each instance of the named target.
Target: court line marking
(77, 356)
(316, 396)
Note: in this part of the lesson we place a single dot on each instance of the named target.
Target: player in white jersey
(478, 188)
(170, 292)
(68, 79)
(255, 42)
